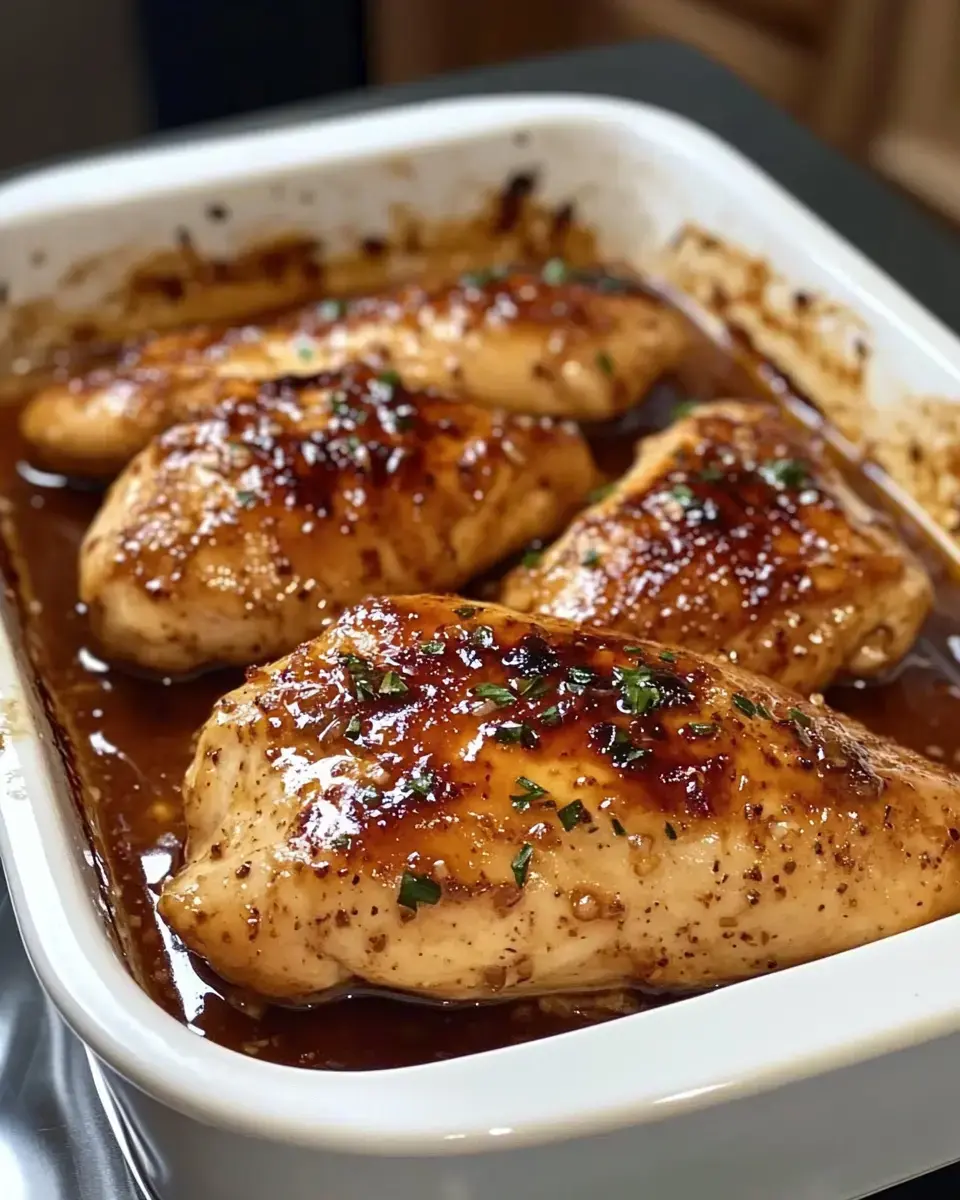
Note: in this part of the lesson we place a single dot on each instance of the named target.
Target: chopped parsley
(422, 783)
(763, 711)
(579, 678)
(555, 271)
(605, 362)
(531, 791)
(590, 558)
(432, 647)
(246, 499)
(352, 730)
(571, 814)
(331, 310)
(711, 474)
(305, 352)
(784, 473)
(531, 557)
(668, 656)
(466, 611)
(799, 718)
(417, 889)
(362, 676)
(341, 842)
(482, 636)
(684, 409)
(745, 704)
(390, 379)
(621, 749)
(485, 275)
(669, 830)
(702, 728)
(638, 690)
(682, 494)
(551, 716)
(501, 696)
(521, 864)
(618, 829)
(600, 493)
(633, 649)
(531, 689)
(392, 685)
(513, 733)
(340, 407)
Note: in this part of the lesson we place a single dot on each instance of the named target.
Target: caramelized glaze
(132, 740)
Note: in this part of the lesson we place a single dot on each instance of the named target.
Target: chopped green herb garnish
(579, 678)
(531, 791)
(389, 378)
(551, 716)
(514, 732)
(392, 685)
(361, 675)
(331, 310)
(621, 749)
(485, 275)
(763, 711)
(799, 718)
(633, 650)
(669, 830)
(521, 864)
(605, 362)
(341, 842)
(785, 472)
(352, 730)
(682, 494)
(638, 690)
(745, 704)
(590, 558)
(711, 474)
(702, 728)
(245, 499)
(531, 557)
(417, 889)
(501, 696)
(684, 409)
(482, 636)
(531, 689)
(422, 783)
(555, 271)
(466, 611)
(571, 814)
(340, 407)
(600, 493)
(305, 352)
(618, 829)
(432, 647)
(668, 656)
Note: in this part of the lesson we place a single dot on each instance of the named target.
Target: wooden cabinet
(878, 78)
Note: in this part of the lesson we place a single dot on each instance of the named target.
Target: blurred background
(880, 79)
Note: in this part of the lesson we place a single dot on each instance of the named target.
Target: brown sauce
(132, 738)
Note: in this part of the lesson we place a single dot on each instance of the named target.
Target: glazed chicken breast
(543, 343)
(733, 534)
(232, 538)
(457, 801)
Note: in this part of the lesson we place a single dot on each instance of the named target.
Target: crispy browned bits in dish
(450, 799)
(732, 533)
(549, 342)
(232, 538)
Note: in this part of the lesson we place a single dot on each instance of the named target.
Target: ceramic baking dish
(828, 1080)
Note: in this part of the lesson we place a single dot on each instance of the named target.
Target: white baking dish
(828, 1080)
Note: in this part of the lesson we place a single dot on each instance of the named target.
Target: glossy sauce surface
(132, 739)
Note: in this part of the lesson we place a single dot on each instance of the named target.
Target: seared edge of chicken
(453, 800)
(560, 344)
(233, 538)
(734, 534)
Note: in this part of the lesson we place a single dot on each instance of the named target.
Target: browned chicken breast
(233, 538)
(543, 343)
(732, 533)
(457, 801)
